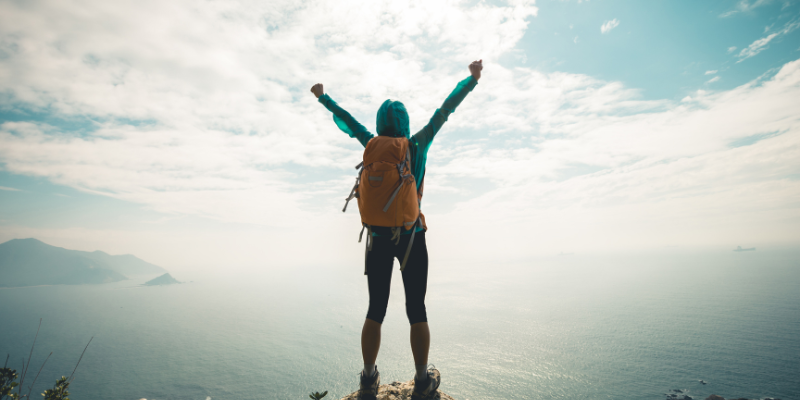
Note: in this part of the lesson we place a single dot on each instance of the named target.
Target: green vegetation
(7, 384)
(9, 377)
(59, 391)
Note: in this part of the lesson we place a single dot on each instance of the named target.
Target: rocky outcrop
(677, 394)
(398, 391)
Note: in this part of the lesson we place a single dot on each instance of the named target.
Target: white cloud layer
(703, 173)
(205, 111)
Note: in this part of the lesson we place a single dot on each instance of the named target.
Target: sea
(576, 326)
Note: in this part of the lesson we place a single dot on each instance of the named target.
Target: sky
(184, 132)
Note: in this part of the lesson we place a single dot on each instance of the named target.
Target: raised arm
(342, 118)
(425, 136)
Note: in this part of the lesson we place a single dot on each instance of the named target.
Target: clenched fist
(474, 68)
(317, 89)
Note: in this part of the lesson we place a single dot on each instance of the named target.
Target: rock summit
(398, 391)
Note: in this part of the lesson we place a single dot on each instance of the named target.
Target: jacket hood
(392, 119)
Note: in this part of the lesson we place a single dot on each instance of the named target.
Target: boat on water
(739, 248)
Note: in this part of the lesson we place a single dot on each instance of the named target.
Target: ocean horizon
(632, 326)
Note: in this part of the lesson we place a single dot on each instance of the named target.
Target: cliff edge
(397, 391)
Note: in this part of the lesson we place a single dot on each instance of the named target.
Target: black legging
(415, 276)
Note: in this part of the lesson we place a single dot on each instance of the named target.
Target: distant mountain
(165, 279)
(126, 264)
(30, 262)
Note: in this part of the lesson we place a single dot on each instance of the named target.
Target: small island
(165, 279)
(739, 248)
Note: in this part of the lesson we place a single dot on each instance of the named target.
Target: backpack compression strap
(410, 243)
(416, 223)
(368, 244)
(403, 177)
(353, 191)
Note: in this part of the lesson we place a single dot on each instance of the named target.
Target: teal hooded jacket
(392, 120)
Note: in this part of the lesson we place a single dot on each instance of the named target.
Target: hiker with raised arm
(389, 190)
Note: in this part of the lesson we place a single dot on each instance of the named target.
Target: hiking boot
(424, 390)
(368, 389)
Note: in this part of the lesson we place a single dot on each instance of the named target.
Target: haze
(185, 132)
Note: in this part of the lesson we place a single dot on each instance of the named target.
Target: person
(392, 120)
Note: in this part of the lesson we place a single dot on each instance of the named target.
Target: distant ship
(739, 248)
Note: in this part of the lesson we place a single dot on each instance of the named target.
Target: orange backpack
(388, 195)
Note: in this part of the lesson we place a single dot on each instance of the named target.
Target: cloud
(790, 27)
(163, 169)
(756, 47)
(711, 72)
(761, 44)
(218, 111)
(9, 189)
(609, 25)
(215, 120)
(744, 6)
(714, 79)
(731, 49)
(575, 40)
(674, 167)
